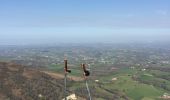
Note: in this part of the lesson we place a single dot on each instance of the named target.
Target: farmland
(120, 72)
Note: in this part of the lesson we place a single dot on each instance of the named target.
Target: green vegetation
(133, 88)
(124, 72)
(5, 59)
(56, 67)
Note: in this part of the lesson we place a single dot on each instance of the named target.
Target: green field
(125, 84)
(135, 90)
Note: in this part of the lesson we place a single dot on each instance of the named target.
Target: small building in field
(96, 81)
(114, 79)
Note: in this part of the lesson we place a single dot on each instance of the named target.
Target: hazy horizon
(97, 21)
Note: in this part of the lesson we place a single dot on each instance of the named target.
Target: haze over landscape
(90, 21)
(84, 49)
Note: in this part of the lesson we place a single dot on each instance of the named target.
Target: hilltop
(21, 83)
(18, 82)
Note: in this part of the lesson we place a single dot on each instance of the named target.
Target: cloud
(162, 12)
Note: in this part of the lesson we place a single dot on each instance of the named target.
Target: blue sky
(76, 21)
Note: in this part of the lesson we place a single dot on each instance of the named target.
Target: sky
(83, 21)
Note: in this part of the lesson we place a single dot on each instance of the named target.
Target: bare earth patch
(28, 73)
(11, 68)
(16, 92)
(61, 76)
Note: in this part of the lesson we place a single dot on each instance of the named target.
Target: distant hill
(21, 83)
(18, 82)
